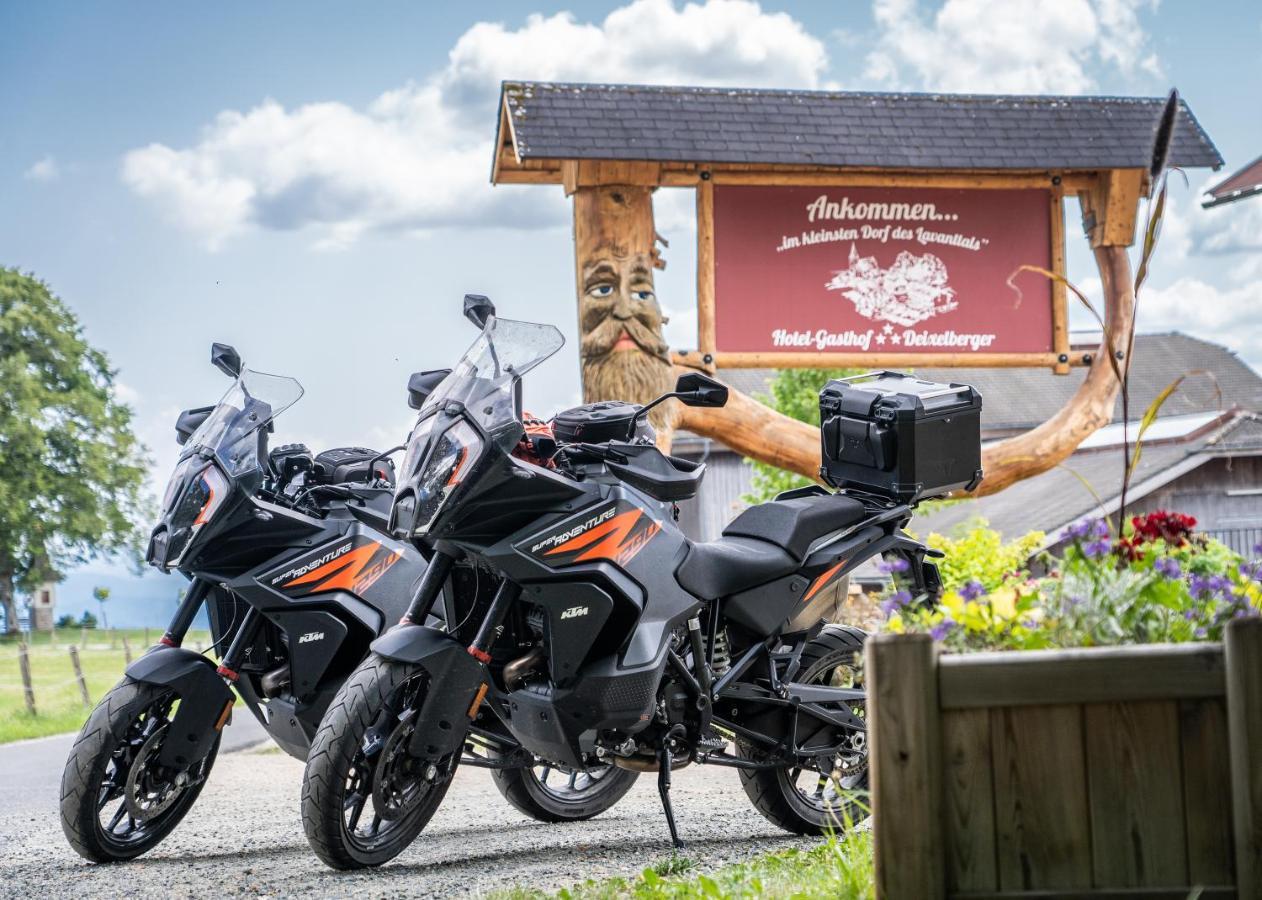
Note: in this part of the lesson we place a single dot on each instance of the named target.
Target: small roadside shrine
(843, 229)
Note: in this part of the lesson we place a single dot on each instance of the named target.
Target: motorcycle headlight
(453, 456)
(197, 505)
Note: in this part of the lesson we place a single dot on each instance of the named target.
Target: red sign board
(880, 270)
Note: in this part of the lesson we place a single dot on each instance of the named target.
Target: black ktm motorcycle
(585, 629)
(290, 555)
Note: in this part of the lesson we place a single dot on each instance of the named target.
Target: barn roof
(1245, 183)
(1089, 482)
(835, 128)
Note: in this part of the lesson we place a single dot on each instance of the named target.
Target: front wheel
(364, 797)
(117, 802)
(550, 793)
(817, 797)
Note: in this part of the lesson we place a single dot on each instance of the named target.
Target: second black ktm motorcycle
(587, 635)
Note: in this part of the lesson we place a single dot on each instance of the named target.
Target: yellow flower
(895, 623)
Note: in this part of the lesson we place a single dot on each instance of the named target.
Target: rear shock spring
(721, 656)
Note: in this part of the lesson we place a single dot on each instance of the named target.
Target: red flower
(1174, 528)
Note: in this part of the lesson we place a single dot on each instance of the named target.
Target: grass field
(839, 869)
(58, 702)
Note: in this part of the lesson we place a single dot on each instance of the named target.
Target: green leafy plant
(1159, 581)
(71, 469)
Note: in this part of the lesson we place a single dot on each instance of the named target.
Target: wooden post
(1243, 648)
(906, 767)
(1060, 311)
(83, 636)
(78, 674)
(706, 344)
(126, 649)
(28, 689)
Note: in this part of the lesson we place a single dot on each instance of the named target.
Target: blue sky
(309, 181)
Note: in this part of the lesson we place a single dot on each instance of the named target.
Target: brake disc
(397, 786)
(144, 799)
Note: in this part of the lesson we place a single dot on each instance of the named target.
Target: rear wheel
(822, 795)
(117, 801)
(365, 798)
(550, 793)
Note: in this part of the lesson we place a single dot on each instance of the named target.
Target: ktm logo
(355, 571)
(574, 612)
(311, 636)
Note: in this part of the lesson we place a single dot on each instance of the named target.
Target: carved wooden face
(618, 309)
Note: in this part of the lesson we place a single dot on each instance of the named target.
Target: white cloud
(419, 156)
(45, 169)
(1225, 315)
(1008, 46)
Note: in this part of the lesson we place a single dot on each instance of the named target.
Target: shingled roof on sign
(832, 128)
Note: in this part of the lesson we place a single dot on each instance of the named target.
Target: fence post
(1244, 727)
(126, 649)
(83, 636)
(28, 689)
(78, 674)
(906, 766)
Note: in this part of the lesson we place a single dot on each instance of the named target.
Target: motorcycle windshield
(229, 432)
(483, 379)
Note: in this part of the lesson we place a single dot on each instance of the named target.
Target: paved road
(244, 837)
(30, 771)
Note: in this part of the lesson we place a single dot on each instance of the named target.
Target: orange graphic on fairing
(355, 571)
(818, 584)
(615, 540)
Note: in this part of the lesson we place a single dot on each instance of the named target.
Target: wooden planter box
(1100, 773)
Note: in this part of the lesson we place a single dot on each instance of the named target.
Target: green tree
(794, 392)
(71, 468)
(102, 594)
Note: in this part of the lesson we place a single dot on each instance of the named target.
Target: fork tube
(194, 597)
(240, 644)
(504, 597)
(429, 588)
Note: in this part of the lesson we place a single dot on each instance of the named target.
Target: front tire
(362, 801)
(116, 802)
(803, 800)
(548, 793)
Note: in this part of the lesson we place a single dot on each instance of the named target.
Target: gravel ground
(244, 838)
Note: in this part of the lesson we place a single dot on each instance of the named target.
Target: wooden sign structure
(964, 170)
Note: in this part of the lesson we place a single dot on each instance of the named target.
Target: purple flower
(1252, 571)
(1257, 548)
(1201, 632)
(897, 564)
(1189, 614)
(895, 602)
(1168, 568)
(1096, 548)
(972, 590)
(1206, 586)
(942, 629)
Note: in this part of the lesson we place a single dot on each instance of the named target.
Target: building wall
(1225, 496)
(727, 478)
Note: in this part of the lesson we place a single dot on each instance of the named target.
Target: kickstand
(663, 788)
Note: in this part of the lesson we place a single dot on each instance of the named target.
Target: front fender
(203, 696)
(454, 680)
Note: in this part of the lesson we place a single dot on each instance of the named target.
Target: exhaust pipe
(273, 683)
(515, 672)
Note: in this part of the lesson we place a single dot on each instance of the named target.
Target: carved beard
(636, 377)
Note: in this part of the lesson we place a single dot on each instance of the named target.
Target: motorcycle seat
(765, 542)
(794, 524)
(714, 569)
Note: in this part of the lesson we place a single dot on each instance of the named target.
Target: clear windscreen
(483, 379)
(229, 432)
